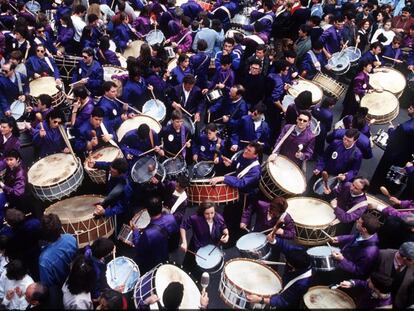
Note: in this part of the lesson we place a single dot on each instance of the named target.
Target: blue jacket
(245, 131)
(121, 36)
(363, 142)
(36, 65)
(9, 91)
(249, 182)
(135, 93)
(51, 143)
(94, 73)
(235, 60)
(112, 113)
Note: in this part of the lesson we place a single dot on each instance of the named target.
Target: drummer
(82, 107)
(175, 197)
(175, 135)
(41, 109)
(40, 65)
(134, 90)
(182, 69)
(314, 61)
(331, 38)
(123, 33)
(269, 215)
(200, 63)
(393, 50)
(223, 78)
(181, 42)
(373, 55)
(208, 227)
(228, 46)
(13, 86)
(264, 16)
(89, 72)
(324, 115)
(137, 141)
(208, 147)
(9, 138)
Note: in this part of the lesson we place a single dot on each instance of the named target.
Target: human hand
(183, 246)
(124, 117)
(337, 256)
(299, 155)
(234, 148)
(66, 150)
(120, 288)
(204, 91)
(224, 238)
(226, 119)
(342, 177)
(10, 294)
(197, 117)
(94, 141)
(316, 171)
(107, 137)
(394, 201)
(99, 210)
(345, 284)
(42, 133)
(253, 298)
(204, 300)
(216, 160)
(151, 299)
(334, 239)
(195, 158)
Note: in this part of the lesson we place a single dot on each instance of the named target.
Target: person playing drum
(296, 141)
(313, 61)
(181, 42)
(175, 135)
(182, 69)
(324, 115)
(153, 243)
(123, 32)
(331, 38)
(82, 107)
(269, 215)
(208, 147)
(208, 227)
(40, 65)
(372, 56)
(134, 90)
(297, 276)
(175, 197)
(9, 138)
(224, 77)
(13, 86)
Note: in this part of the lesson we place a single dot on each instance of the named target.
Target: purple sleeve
(356, 165)
(361, 263)
(247, 213)
(344, 239)
(187, 224)
(185, 45)
(308, 152)
(18, 187)
(289, 231)
(407, 204)
(390, 211)
(247, 180)
(358, 86)
(345, 217)
(282, 133)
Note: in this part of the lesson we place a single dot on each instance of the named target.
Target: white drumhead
(75, 209)
(321, 250)
(251, 241)
(212, 256)
(118, 270)
(388, 79)
(134, 123)
(44, 85)
(322, 297)
(253, 277)
(310, 211)
(379, 103)
(169, 273)
(373, 200)
(105, 154)
(141, 219)
(288, 175)
(134, 49)
(302, 85)
(52, 170)
(113, 70)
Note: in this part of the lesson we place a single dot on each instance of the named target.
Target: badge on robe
(202, 148)
(334, 155)
(114, 112)
(170, 137)
(364, 85)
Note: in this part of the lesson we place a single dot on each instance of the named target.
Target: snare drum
(175, 167)
(308, 227)
(201, 190)
(240, 19)
(298, 86)
(122, 271)
(330, 86)
(76, 215)
(110, 70)
(142, 172)
(282, 178)
(55, 176)
(156, 280)
(241, 277)
(214, 95)
(18, 110)
(254, 245)
(47, 85)
(189, 124)
(140, 220)
(353, 54)
(321, 258)
(382, 106)
(339, 63)
(230, 33)
(104, 154)
(322, 297)
(67, 65)
(134, 123)
(133, 49)
(25, 135)
(33, 6)
(202, 169)
(319, 184)
(388, 79)
(155, 37)
(155, 109)
(381, 139)
(212, 259)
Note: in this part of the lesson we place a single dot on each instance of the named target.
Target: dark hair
(88, 51)
(176, 115)
(113, 299)
(289, 53)
(297, 258)
(352, 133)
(305, 28)
(107, 85)
(305, 113)
(79, 9)
(182, 58)
(173, 295)
(304, 100)
(92, 18)
(317, 45)
(189, 79)
(104, 43)
(120, 165)
(50, 227)
(370, 223)
(260, 108)
(229, 41)
(382, 282)
(102, 247)
(40, 293)
(358, 122)
(97, 112)
(11, 122)
(280, 65)
(202, 45)
(376, 45)
(204, 206)
(143, 131)
(257, 147)
(14, 217)
(82, 276)
(55, 114)
(15, 270)
(278, 204)
(183, 181)
(67, 20)
(46, 100)
(239, 89)
(315, 20)
(211, 127)
(154, 206)
(13, 153)
(261, 47)
(80, 91)
(328, 102)
(17, 55)
(364, 182)
(225, 60)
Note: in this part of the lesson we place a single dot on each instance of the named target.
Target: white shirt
(257, 124)
(78, 24)
(186, 94)
(210, 226)
(16, 303)
(82, 301)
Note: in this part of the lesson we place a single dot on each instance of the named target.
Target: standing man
(78, 24)
(331, 38)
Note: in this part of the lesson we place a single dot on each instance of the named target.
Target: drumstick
(113, 258)
(247, 229)
(406, 210)
(330, 247)
(393, 59)
(267, 262)
(267, 230)
(149, 151)
(129, 274)
(182, 148)
(385, 192)
(248, 142)
(356, 43)
(343, 47)
(195, 254)
(77, 82)
(208, 116)
(153, 95)
(129, 106)
(67, 142)
(324, 232)
(215, 246)
(189, 114)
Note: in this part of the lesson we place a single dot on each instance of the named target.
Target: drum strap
(183, 37)
(203, 62)
(289, 131)
(183, 140)
(181, 198)
(255, 38)
(357, 206)
(105, 132)
(247, 169)
(47, 60)
(305, 275)
(19, 83)
(267, 16)
(314, 60)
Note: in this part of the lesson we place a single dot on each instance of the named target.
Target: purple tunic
(249, 182)
(361, 84)
(366, 300)
(11, 143)
(51, 143)
(201, 231)
(261, 209)
(183, 39)
(331, 39)
(346, 201)
(14, 182)
(359, 256)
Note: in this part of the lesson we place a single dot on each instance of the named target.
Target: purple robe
(201, 231)
(183, 39)
(261, 209)
(84, 114)
(331, 39)
(361, 84)
(366, 300)
(11, 143)
(250, 181)
(169, 200)
(14, 183)
(51, 143)
(346, 201)
(359, 256)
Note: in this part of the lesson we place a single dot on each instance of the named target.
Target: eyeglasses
(40, 31)
(41, 51)
(57, 122)
(302, 120)
(5, 71)
(85, 56)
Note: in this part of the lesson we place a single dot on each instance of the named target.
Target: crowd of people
(226, 95)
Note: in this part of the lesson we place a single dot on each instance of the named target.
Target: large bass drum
(322, 297)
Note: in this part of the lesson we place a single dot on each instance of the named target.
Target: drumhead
(52, 169)
(388, 79)
(174, 166)
(17, 109)
(352, 53)
(287, 175)
(75, 209)
(140, 172)
(134, 123)
(322, 297)
(303, 85)
(324, 250)
(169, 273)
(339, 61)
(141, 219)
(44, 85)
(155, 36)
(319, 185)
(110, 70)
(201, 169)
(379, 103)
(118, 270)
(212, 256)
(251, 240)
(253, 277)
(373, 200)
(155, 109)
(304, 209)
(105, 154)
(133, 49)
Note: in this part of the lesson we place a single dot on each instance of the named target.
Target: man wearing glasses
(40, 65)
(42, 37)
(89, 73)
(13, 85)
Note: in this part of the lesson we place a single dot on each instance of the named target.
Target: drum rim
(320, 179)
(313, 288)
(251, 250)
(254, 261)
(396, 72)
(138, 215)
(136, 163)
(215, 248)
(312, 83)
(174, 159)
(142, 116)
(371, 198)
(320, 256)
(301, 173)
(322, 202)
(92, 169)
(47, 79)
(134, 265)
(320, 75)
(74, 219)
(200, 162)
(389, 114)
